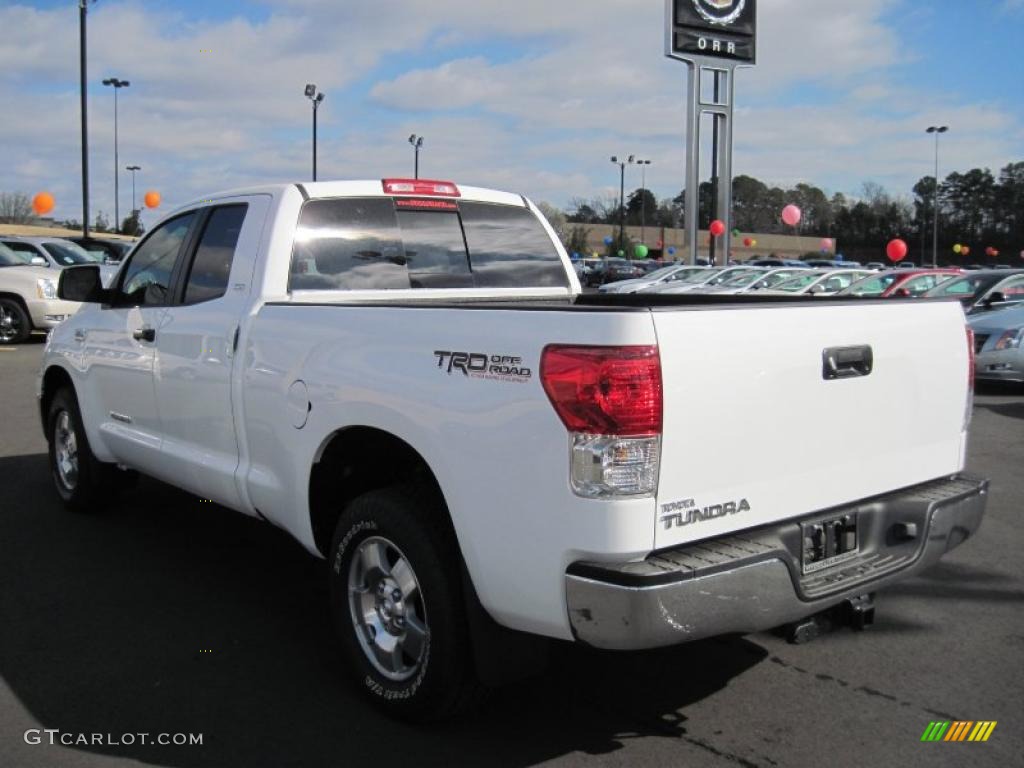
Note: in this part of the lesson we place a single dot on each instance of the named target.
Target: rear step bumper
(754, 580)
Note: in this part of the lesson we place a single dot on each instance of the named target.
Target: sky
(533, 97)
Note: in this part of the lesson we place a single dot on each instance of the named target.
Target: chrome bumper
(753, 581)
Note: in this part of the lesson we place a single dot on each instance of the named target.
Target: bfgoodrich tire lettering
(397, 538)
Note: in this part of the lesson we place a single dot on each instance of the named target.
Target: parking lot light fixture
(417, 145)
(117, 84)
(938, 130)
(631, 160)
(643, 198)
(133, 169)
(317, 98)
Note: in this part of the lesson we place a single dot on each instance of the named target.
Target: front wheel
(15, 325)
(83, 482)
(396, 599)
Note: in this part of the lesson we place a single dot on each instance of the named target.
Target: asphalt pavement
(167, 614)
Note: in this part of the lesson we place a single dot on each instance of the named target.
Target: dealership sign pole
(714, 38)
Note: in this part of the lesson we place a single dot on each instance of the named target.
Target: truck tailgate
(755, 432)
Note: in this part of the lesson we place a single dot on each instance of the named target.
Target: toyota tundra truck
(406, 377)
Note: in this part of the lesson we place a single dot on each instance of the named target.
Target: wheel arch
(358, 459)
(54, 378)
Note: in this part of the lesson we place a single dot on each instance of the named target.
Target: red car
(900, 283)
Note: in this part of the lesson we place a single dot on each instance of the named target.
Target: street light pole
(643, 198)
(317, 98)
(133, 169)
(622, 194)
(83, 7)
(937, 130)
(117, 85)
(417, 145)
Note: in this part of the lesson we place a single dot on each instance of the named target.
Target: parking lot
(168, 614)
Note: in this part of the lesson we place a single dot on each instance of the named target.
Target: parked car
(819, 282)
(755, 281)
(404, 411)
(983, 290)
(772, 262)
(110, 251)
(59, 253)
(876, 265)
(832, 264)
(28, 298)
(699, 281)
(901, 283)
(999, 344)
(662, 276)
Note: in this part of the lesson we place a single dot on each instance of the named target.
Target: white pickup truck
(405, 376)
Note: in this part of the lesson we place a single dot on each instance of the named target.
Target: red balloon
(717, 228)
(965, 251)
(749, 241)
(896, 250)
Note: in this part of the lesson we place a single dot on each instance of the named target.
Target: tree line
(976, 209)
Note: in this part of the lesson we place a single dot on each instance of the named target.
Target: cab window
(208, 274)
(147, 278)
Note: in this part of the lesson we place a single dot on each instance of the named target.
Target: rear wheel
(397, 603)
(15, 325)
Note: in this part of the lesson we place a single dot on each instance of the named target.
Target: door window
(211, 267)
(147, 279)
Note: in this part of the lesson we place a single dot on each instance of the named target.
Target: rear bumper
(753, 581)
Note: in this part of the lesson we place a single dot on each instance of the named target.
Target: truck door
(118, 348)
(196, 346)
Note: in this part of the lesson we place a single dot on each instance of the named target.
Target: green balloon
(735, 233)
(621, 254)
(641, 251)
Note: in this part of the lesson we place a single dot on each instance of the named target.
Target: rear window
(366, 244)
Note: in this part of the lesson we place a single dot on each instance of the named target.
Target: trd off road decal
(478, 365)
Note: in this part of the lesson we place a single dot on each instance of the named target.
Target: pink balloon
(826, 244)
(791, 215)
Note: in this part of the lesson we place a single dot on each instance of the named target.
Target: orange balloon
(42, 203)
(152, 199)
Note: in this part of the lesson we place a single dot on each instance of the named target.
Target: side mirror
(996, 297)
(39, 261)
(901, 293)
(81, 283)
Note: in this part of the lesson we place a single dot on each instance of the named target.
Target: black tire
(15, 325)
(443, 681)
(94, 484)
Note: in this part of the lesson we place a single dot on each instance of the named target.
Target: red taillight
(970, 357)
(421, 187)
(605, 390)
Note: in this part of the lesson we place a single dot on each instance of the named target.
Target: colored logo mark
(959, 730)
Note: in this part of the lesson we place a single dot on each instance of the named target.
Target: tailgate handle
(847, 362)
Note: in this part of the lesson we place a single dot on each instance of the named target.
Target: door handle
(80, 334)
(145, 334)
(847, 362)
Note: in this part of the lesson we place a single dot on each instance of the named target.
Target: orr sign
(715, 29)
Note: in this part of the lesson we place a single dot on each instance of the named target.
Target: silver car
(817, 282)
(704, 280)
(751, 283)
(999, 344)
(664, 276)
